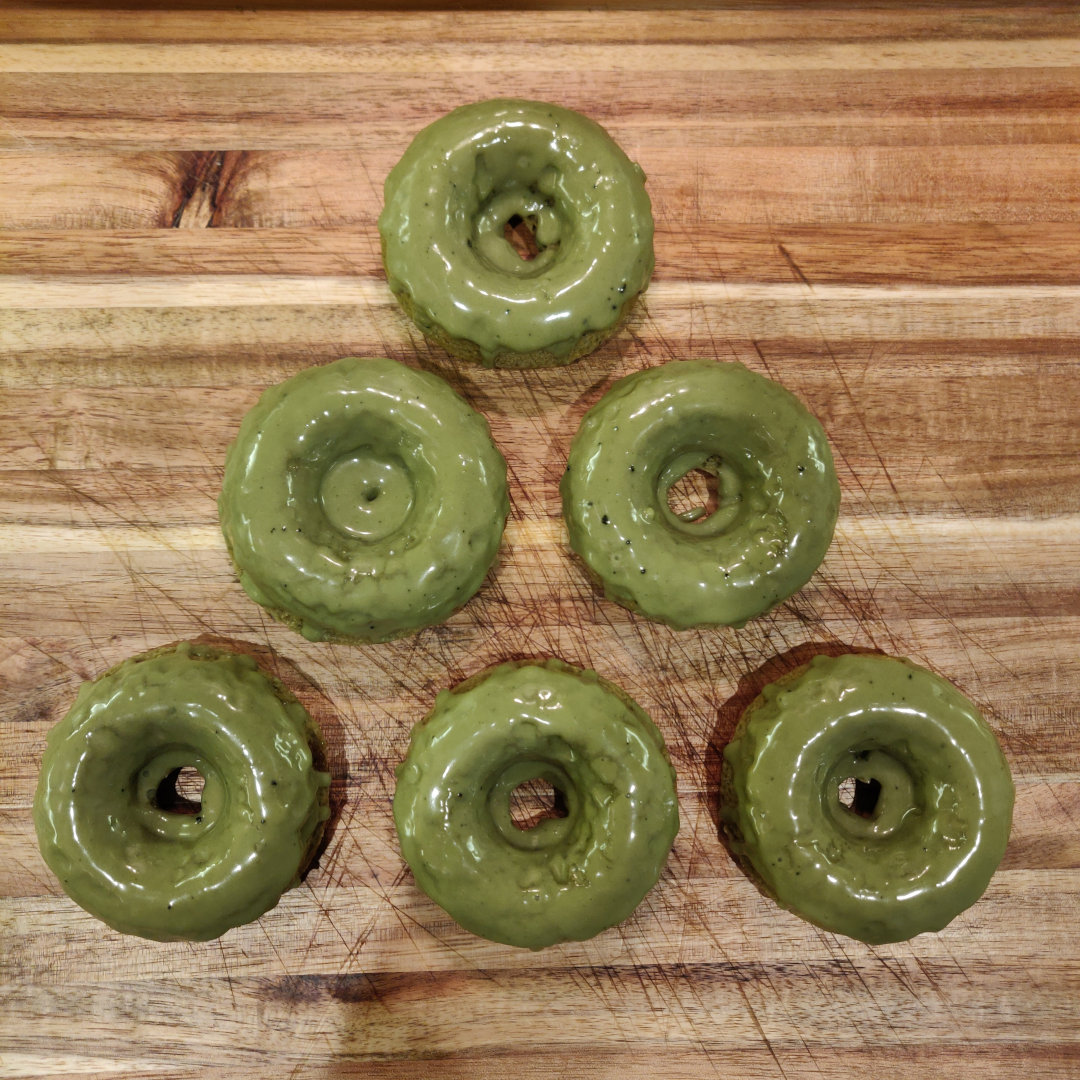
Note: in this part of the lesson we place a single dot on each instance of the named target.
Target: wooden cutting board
(879, 208)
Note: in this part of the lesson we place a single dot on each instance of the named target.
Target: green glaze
(568, 878)
(363, 500)
(927, 849)
(778, 502)
(134, 862)
(449, 199)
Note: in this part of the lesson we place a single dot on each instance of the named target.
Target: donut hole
(699, 493)
(860, 797)
(535, 801)
(180, 791)
(695, 496)
(520, 234)
(871, 792)
(517, 224)
(366, 494)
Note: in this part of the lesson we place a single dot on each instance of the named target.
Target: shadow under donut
(750, 686)
(331, 756)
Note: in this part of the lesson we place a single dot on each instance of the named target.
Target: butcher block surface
(879, 208)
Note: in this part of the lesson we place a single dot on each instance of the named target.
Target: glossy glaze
(121, 853)
(363, 500)
(941, 823)
(568, 878)
(779, 495)
(447, 203)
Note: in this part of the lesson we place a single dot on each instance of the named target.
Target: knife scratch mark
(795, 268)
(228, 974)
(674, 988)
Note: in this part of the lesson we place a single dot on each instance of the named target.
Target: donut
(476, 173)
(567, 878)
(932, 804)
(132, 851)
(778, 493)
(362, 501)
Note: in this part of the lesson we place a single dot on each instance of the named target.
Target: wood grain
(880, 208)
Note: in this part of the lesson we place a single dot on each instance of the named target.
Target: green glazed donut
(484, 167)
(779, 495)
(106, 804)
(932, 808)
(568, 878)
(363, 501)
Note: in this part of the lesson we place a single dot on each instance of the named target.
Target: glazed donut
(936, 791)
(362, 501)
(471, 175)
(106, 803)
(567, 878)
(779, 494)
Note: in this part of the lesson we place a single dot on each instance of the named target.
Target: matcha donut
(363, 500)
(778, 493)
(128, 847)
(932, 804)
(483, 169)
(567, 878)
